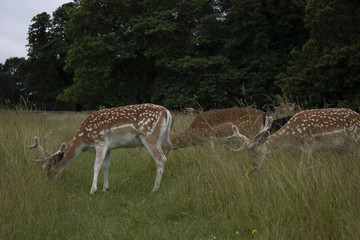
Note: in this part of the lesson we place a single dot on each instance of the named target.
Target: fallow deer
(306, 130)
(122, 127)
(217, 123)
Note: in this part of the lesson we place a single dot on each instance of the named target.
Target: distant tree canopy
(326, 69)
(11, 84)
(43, 72)
(210, 53)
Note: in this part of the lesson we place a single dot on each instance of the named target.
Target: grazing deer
(306, 130)
(218, 123)
(123, 127)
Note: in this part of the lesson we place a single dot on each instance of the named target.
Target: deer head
(49, 161)
(258, 139)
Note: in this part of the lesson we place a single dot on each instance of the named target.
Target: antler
(247, 142)
(236, 134)
(43, 153)
(268, 122)
(240, 149)
(264, 130)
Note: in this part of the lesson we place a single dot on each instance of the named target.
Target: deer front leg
(100, 156)
(106, 171)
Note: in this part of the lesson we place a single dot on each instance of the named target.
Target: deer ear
(60, 153)
(235, 128)
(58, 156)
(62, 147)
(55, 158)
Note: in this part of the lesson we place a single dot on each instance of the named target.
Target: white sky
(15, 19)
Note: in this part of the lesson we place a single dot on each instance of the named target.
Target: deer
(284, 110)
(218, 124)
(129, 126)
(307, 131)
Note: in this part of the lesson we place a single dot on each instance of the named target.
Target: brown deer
(217, 123)
(122, 127)
(306, 130)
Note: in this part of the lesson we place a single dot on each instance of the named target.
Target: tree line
(208, 53)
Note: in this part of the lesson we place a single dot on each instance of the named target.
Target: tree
(174, 53)
(43, 71)
(96, 29)
(199, 72)
(11, 84)
(326, 68)
(261, 35)
(7, 87)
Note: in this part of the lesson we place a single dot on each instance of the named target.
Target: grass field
(203, 195)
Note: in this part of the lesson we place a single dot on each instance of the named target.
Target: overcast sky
(15, 18)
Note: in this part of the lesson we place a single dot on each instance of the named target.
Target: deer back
(318, 126)
(248, 120)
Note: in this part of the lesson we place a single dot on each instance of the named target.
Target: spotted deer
(122, 127)
(217, 123)
(307, 131)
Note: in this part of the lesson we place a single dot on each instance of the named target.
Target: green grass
(203, 194)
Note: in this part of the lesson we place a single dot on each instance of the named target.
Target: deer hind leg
(160, 161)
(106, 165)
(159, 157)
(306, 153)
(101, 152)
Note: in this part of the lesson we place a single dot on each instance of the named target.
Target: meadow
(203, 195)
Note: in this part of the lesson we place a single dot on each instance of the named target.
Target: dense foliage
(211, 53)
(11, 84)
(326, 68)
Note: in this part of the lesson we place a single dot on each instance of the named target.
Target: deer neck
(274, 143)
(74, 148)
(187, 138)
(180, 140)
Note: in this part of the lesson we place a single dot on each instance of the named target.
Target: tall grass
(203, 195)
